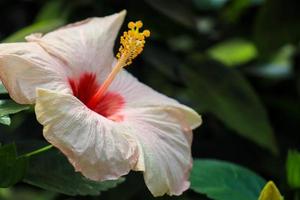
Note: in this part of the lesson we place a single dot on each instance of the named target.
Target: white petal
(25, 66)
(163, 128)
(97, 147)
(139, 95)
(86, 45)
(165, 149)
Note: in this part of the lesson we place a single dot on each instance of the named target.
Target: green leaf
(41, 27)
(52, 171)
(51, 10)
(12, 168)
(293, 169)
(10, 107)
(5, 120)
(209, 4)
(222, 180)
(277, 24)
(233, 52)
(2, 89)
(228, 95)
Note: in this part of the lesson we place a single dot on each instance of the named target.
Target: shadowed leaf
(277, 24)
(52, 171)
(227, 94)
(10, 107)
(12, 168)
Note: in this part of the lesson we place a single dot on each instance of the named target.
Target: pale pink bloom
(133, 127)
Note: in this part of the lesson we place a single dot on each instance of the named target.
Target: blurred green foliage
(233, 52)
(293, 169)
(235, 61)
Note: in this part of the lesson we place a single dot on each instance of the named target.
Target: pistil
(132, 44)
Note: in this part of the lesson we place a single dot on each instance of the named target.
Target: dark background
(249, 91)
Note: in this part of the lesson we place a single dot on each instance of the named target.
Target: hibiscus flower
(102, 118)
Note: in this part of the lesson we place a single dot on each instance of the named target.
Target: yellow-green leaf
(293, 169)
(233, 52)
(270, 192)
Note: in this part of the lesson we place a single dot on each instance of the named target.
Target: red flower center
(85, 88)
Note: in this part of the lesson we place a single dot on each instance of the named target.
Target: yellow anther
(139, 24)
(131, 25)
(132, 43)
(146, 33)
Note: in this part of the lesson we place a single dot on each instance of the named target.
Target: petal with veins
(25, 66)
(97, 147)
(84, 46)
(151, 132)
(165, 149)
(139, 95)
(162, 126)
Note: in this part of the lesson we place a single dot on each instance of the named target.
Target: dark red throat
(86, 86)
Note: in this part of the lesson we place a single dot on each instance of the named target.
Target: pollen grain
(132, 42)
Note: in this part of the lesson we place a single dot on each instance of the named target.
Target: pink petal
(97, 147)
(162, 126)
(165, 149)
(139, 95)
(25, 66)
(85, 46)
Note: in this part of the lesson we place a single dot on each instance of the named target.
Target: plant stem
(39, 151)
